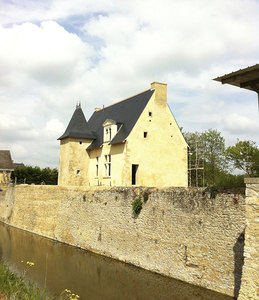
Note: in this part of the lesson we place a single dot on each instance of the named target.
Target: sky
(54, 53)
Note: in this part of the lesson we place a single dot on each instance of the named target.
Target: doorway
(134, 174)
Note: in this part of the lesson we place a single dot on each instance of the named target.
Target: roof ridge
(124, 99)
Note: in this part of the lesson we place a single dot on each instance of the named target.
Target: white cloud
(19, 151)
(53, 128)
(49, 60)
(239, 124)
(46, 53)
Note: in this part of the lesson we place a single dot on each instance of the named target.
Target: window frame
(97, 166)
(107, 165)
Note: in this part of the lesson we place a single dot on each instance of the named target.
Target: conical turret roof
(78, 126)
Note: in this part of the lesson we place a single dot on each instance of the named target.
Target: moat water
(59, 267)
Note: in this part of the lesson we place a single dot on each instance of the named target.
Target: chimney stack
(160, 93)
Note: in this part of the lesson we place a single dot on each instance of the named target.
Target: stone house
(6, 166)
(133, 142)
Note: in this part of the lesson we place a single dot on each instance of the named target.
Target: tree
(244, 155)
(36, 175)
(206, 157)
(214, 154)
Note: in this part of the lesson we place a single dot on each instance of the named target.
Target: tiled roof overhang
(247, 78)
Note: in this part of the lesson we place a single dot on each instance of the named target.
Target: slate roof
(125, 113)
(78, 126)
(6, 162)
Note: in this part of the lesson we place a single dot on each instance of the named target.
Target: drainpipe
(256, 89)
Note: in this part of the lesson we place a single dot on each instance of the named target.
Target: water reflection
(89, 275)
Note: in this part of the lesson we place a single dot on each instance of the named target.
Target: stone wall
(180, 232)
(250, 278)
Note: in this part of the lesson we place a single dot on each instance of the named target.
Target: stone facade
(250, 277)
(155, 147)
(5, 177)
(183, 233)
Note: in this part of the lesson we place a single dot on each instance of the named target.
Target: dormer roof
(109, 122)
(125, 113)
(78, 126)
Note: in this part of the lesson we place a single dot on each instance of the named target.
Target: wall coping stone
(252, 180)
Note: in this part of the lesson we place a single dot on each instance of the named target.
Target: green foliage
(36, 175)
(244, 155)
(214, 154)
(137, 205)
(227, 180)
(206, 150)
(210, 162)
(213, 192)
(16, 287)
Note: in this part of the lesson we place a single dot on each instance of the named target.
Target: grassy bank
(13, 286)
(16, 287)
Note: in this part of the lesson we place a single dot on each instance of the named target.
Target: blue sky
(55, 53)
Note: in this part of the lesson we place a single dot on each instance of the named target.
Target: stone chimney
(160, 93)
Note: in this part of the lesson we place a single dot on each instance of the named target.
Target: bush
(137, 205)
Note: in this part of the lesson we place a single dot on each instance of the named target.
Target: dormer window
(110, 133)
(109, 130)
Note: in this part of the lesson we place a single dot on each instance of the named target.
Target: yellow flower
(30, 263)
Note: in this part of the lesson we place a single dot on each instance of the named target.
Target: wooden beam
(251, 83)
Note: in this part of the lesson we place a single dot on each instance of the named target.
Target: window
(145, 134)
(150, 114)
(107, 165)
(110, 134)
(110, 128)
(97, 167)
(106, 134)
(77, 172)
(80, 142)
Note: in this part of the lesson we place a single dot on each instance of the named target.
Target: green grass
(16, 287)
